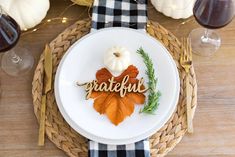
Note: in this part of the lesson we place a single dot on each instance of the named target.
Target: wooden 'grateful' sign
(112, 86)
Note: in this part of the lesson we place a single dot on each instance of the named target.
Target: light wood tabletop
(214, 121)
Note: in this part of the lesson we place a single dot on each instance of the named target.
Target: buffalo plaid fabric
(119, 13)
(138, 149)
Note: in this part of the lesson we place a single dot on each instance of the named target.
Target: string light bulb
(64, 19)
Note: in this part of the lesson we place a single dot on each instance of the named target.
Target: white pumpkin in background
(176, 9)
(27, 13)
(117, 59)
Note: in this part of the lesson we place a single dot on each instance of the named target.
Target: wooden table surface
(214, 121)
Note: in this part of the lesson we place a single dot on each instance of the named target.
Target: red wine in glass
(210, 14)
(9, 32)
(213, 13)
(16, 60)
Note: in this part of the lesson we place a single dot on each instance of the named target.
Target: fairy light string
(60, 19)
(64, 20)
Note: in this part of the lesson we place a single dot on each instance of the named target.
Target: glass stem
(15, 58)
(206, 35)
(205, 38)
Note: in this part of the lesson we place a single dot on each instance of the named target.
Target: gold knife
(47, 82)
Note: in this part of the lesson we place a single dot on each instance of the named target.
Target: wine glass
(211, 14)
(15, 61)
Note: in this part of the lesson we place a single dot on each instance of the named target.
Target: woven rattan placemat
(75, 145)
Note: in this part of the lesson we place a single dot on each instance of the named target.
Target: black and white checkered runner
(138, 149)
(119, 13)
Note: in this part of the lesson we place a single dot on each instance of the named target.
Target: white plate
(81, 63)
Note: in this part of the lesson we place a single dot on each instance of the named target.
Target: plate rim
(101, 139)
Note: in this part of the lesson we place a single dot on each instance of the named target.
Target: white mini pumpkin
(117, 59)
(27, 13)
(175, 9)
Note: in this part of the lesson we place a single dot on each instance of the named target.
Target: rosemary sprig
(153, 98)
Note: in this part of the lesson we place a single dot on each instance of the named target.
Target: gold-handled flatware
(47, 82)
(186, 63)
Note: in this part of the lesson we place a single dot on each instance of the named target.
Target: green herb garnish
(153, 98)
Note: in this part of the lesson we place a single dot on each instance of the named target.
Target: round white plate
(81, 63)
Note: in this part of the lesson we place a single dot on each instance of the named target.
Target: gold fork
(186, 63)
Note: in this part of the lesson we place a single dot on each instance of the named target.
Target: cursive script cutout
(113, 86)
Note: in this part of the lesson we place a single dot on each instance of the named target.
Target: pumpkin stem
(117, 54)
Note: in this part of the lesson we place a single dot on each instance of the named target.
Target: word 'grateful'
(113, 86)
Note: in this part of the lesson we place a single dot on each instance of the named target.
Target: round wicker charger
(75, 145)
